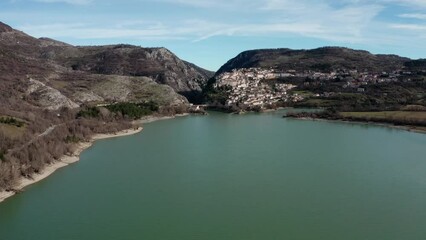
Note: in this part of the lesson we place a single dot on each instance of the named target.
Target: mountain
(159, 64)
(55, 95)
(328, 77)
(5, 28)
(50, 61)
(321, 59)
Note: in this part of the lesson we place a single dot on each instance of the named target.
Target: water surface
(255, 176)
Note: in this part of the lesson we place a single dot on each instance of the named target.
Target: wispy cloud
(74, 2)
(308, 18)
(406, 3)
(236, 5)
(85, 31)
(414, 3)
(419, 16)
(345, 22)
(195, 3)
(194, 30)
(413, 27)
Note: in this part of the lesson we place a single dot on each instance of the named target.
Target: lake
(239, 177)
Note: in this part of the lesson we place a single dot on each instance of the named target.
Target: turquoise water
(255, 176)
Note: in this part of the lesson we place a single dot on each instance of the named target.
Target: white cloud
(419, 16)
(236, 5)
(350, 21)
(84, 31)
(195, 3)
(193, 30)
(414, 3)
(74, 2)
(412, 27)
(405, 3)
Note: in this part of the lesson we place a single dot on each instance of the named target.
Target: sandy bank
(149, 119)
(65, 161)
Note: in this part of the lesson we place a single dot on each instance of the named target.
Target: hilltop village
(247, 88)
(259, 88)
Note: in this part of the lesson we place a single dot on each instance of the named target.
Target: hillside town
(258, 87)
(248, 89)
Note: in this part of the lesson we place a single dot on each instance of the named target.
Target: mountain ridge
(306, 59)
(327, 77)
(159, 64)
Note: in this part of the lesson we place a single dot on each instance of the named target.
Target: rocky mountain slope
(70, 72)
(159, 64)
(54, 95)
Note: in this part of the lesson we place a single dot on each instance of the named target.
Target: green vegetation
(324, 67)
(131, 110)
(72, 139)
(212, 94)
(89, 112)
(2, 155)
(303, 93)
(11, 121)
(393, 117)
(408, 118)
(134, 110)
(416, 64)
(316, 103)
(377, 97)
(219, 94)
(390, 115)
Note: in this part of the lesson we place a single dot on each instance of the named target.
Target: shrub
(72, 139)
(11, 121)
(89, 112)
(134, 110)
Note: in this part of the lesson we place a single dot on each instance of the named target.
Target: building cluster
(250, 88)
(254, 87)
(353, 78)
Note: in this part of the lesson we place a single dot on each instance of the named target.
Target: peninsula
(352, 84)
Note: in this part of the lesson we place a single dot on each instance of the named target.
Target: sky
(210, 32)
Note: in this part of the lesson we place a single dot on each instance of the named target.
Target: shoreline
(80, 147)
(65, 161)
(370, 123)
(150, 119)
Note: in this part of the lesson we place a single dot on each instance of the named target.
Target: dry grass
(394, 115)
(11, 131)
(58, 84)
(420, 129)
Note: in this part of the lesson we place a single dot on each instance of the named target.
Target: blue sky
(210, 32)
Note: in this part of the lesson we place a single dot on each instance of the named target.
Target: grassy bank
(388, 115)
(411, 120)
